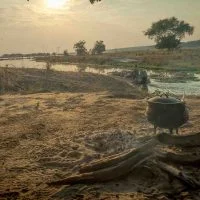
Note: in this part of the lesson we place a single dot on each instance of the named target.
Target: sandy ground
(47, 136)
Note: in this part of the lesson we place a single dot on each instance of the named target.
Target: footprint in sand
(74, 154)
(63, 154)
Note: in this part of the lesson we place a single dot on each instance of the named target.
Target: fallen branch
(180, 140)
(113, 160)
(182, 159)
(114, 167)
(107, 174)
(180, 175)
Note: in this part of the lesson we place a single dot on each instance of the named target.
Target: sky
(47, 26)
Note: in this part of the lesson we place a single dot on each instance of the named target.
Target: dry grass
(26, 81)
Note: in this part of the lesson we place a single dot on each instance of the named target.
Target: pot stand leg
(177, 131)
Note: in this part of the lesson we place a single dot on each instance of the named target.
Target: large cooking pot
(167, 112)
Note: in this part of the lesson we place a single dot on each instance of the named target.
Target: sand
(48, 136)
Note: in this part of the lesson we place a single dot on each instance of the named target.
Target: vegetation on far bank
(180, 60)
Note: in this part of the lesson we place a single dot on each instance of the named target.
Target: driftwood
(106, 174)
(113, 160)
(183, 141)
(180, 140)
(182, 159)
(114, 167)
(118, 170)
(180, 175)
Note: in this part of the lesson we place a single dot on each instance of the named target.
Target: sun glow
(56, 3)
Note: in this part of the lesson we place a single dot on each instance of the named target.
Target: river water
(189, 87)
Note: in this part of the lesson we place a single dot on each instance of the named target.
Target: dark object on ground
(190, 140)
(180, 158)
(167, 112)
(9, 195)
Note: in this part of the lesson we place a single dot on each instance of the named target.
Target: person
(143, 77)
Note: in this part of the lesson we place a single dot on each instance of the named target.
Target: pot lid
(164, 100)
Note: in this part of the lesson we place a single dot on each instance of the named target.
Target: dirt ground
(47, 136)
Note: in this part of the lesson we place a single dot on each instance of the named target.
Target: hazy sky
(41, 26)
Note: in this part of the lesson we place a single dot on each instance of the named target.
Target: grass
(160, 60)
(13, 80)
(174, 77)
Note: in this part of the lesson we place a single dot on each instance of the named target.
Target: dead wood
(182, 159)
(113, 160)
(107, 174)
(180, 175)
(114, 167)
(192, 140)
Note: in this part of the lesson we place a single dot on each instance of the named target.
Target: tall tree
(169, 32)
(93, 1)
(99, 47)
(65, 53)
(80, 48)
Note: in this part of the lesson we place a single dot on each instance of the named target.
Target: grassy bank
(14, 80)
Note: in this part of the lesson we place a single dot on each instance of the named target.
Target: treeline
(79, 47)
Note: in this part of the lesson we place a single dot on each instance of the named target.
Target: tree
(99, 47)
(80, 48)
(65, 52)
(169, 32)
(93, 1)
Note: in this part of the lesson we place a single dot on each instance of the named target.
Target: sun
(56, 3)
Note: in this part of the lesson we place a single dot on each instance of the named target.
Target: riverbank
(26, 81)
(177, 82)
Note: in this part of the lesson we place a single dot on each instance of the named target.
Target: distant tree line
(79, 47)
(20, 55)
